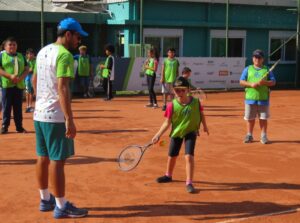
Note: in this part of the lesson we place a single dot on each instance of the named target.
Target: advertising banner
(207, 72)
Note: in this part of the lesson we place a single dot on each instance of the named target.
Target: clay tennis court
(236, 182)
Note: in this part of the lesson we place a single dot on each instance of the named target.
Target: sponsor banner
(207, 72)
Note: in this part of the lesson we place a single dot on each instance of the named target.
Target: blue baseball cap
(258, 53)
(71, 24)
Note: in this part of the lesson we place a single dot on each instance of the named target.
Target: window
(163, 39)
(280, 48)
(236, 43)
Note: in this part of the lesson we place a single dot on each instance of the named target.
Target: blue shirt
(244, 77)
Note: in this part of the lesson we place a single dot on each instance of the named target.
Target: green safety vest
(260, 93)
(151, 64)
(171, 68)
(8, 64)
(83, 66)
(185, 118)
(106, 71)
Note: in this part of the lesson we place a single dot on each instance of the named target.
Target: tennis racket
(198, 93)
(130, 156)
(96, 81)
(270, 70)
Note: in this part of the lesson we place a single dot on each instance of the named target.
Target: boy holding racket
(170, 71)
(184, 114)
(257, 95)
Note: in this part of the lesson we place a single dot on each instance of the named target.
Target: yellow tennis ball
(162, 143)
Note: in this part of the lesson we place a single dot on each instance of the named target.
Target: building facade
(197, 28)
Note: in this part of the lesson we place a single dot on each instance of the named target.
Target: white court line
(262, 215)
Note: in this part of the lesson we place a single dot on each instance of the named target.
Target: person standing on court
(108, 71)
(150, 67)
(257, 95)
(53, 118)
(13, 69)
(170, 71)
(84, 70)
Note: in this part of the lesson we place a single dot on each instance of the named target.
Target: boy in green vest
(28, 83)
(108, 71)
(257, 95)
(185, 114)
(13, 69)
(170, 71)
(84, 69)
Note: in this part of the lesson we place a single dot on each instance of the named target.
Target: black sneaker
(164, 107)
(4, 130)
(21, 130)
(190, 188)
(164, 179)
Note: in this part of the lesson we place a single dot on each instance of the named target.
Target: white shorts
(260, 111)
(167, 88)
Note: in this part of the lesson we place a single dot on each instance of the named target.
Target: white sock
(60, 202)
(45, 195)
(263, 134)
(249, 134)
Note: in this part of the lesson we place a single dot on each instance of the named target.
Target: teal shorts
(52, 142)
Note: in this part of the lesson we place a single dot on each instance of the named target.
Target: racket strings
(129, 158)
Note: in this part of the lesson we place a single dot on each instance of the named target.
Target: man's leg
(57, 177)
(42, 166)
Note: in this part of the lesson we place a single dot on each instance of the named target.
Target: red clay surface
(234, 180)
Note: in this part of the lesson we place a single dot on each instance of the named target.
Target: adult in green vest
(257, 95)
(84, 70)
(184, 114)
(108, 71)
(150, 68)
(13, 69)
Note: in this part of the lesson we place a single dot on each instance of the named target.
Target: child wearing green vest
(257, 95)
(84, 70)
(13, 69)
(184, 114)
(170, 71)
(30, 56)
(108, 72)
(150, 71)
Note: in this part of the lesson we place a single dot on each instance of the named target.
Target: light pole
(141, 28)
(227, 28)
(297, 76)
(42, 23)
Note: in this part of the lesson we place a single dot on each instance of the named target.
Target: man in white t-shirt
(53, 118)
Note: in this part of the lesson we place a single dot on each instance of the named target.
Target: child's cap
(258, 53)
(186, 70)
(181, 82)
(82, 47)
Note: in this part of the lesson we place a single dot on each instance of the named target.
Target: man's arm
(65, 103)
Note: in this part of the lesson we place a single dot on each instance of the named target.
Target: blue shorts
(52, 142)
(29, 88)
